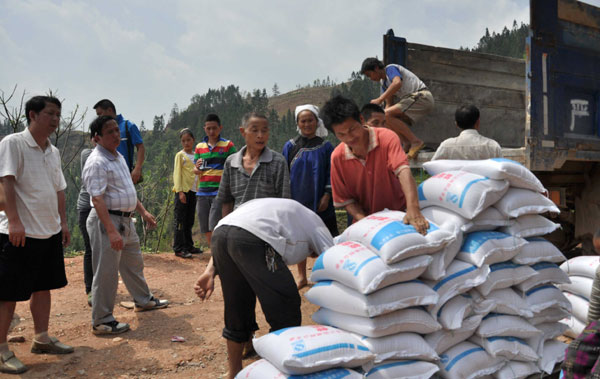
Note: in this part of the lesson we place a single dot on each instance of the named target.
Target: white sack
(504, 275)
(414, 320)
(402, 369)
(517, 370)
(494, 168)
(444, 218)
(263, 369)
(338, 297)
(356, 266)
(307, 349)
(511, 348)
(574, 326)
(530, 226)
(489, 219)
(499, 325)
(488, 247)
(554, 352)
(580, 285)
(399, 346)
(580, 306)
(517, 202)
(504, 301)
(547, 273)
(386, 234)
(467, 360)
(442, 259)
(546, 296)
(444, 339)
(553, 314)
(454, 311)
(538, 250)
(460, 277)
(550, 330)
(461, 192)
(584, 265)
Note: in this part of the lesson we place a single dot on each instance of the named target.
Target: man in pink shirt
(369, 169)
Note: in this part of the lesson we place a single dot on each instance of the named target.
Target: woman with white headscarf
(308, 157)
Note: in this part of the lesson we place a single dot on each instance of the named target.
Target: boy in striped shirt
(210, 155)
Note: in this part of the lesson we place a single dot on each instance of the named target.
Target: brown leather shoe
(52, 347)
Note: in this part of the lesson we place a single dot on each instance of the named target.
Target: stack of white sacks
(581, 271)
(475, 296)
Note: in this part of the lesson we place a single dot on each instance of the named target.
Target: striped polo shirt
(215, 157)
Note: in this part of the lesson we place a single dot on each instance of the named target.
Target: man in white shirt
(33, 228)
(469, 145)
(251, 248)
(115, 243)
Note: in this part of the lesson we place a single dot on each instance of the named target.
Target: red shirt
(372, 183)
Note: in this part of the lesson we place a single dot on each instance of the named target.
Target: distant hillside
(289, 100)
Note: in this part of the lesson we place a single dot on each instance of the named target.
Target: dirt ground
(146, 350)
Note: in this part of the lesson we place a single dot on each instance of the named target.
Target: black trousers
(183, 221)
(240, 259)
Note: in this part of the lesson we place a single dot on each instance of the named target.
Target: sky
(146, 55)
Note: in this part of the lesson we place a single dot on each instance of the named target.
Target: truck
(544, 110)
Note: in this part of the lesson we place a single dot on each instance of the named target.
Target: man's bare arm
(137, 171)
(389, 92)
(62, 211)
(16, 230)
(226, 208)
(413, 211)
(355, 211)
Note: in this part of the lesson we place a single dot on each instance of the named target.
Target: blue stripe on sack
(543, 266)
(467, 187)
(536, 239)
(503, 266)
(461, 356)
(393, 230)
(278, 332)
(323, 349)
(334, 373)
(505, 160)
(511, 339)
(388, 365)
(453, 276)
(360, 267)
(421, 193)
(322, 283)
(319, 262)
(539, 289)
(474, 240)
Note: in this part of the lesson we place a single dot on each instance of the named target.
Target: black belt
(423, 89)
(119, 213)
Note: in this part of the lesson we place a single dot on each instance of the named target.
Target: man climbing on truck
(406, 98)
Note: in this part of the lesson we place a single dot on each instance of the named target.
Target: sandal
(414, 150)
(10, 364)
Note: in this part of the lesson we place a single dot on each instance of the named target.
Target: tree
(275, 90)
(14, 117)
(159, 123)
